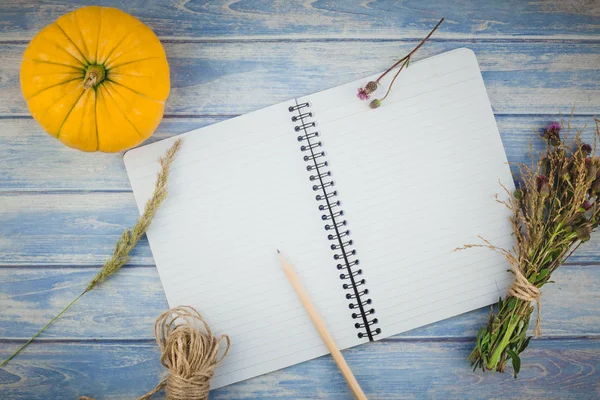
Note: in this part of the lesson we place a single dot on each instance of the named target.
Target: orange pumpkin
(96, 79)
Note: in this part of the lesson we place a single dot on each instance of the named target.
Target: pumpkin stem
(93, 76)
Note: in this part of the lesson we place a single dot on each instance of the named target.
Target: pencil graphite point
(278, 252)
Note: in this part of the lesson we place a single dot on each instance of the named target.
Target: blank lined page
(417, 178)
(238, 191)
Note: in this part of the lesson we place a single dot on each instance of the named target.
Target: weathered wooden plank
(551, 369)
(127, 304)
(235, 78)
(326, 19)
(33, 160)
(66, 229)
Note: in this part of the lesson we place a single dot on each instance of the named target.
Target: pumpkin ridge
(69, 113)
(133, 76)
(98, 37)
(107, 60)
(96, 119)
(81, 34)
(131, 62)
(51, 105)
(59, 46)
(50, 62)
(51, 86)
(73, 42)
(71, 74)
(107, 93)
(136, 92)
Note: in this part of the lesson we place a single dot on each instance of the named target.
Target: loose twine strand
(526, 291)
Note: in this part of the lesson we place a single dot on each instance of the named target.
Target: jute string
(189, 351)
(525, 290)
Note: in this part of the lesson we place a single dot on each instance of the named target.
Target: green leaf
(514, 339)
(542, 274)
(524, 345)
(548, 258)
(485, 339)
(516, 362)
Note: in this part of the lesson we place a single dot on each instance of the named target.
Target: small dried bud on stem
(370, 87)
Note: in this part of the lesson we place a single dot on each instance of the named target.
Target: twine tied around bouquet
(189, 351)
(525, 290)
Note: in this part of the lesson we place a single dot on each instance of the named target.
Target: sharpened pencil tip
(278, 251)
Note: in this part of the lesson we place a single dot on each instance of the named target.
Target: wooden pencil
(320, 325)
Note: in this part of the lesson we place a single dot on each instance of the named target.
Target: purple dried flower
(362, 94)
(553, 127)
(586, 205)
(552, 133)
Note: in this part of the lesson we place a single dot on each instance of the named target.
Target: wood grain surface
(61, 210)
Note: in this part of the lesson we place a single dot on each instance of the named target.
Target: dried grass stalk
(126, 242)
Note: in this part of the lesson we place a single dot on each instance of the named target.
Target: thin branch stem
(395, 76)
(412, 52)
(13, 355)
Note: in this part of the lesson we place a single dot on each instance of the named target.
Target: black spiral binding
(342, 244)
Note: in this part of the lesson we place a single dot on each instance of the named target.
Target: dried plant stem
(412, 52)
(364, 93)
(13, 355)
(405, 64)
(126, 242)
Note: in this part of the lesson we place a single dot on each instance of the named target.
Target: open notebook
(368, 205)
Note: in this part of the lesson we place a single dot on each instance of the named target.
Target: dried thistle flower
(362, 94)
(552, 133)
(126, 242)
(552, 214)
(370, 87)
(554, 127)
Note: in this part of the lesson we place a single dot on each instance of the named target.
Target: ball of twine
(189, 351)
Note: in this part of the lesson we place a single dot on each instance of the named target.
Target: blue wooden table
(61, 211)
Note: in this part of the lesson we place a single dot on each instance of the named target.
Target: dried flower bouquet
(554, 210)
